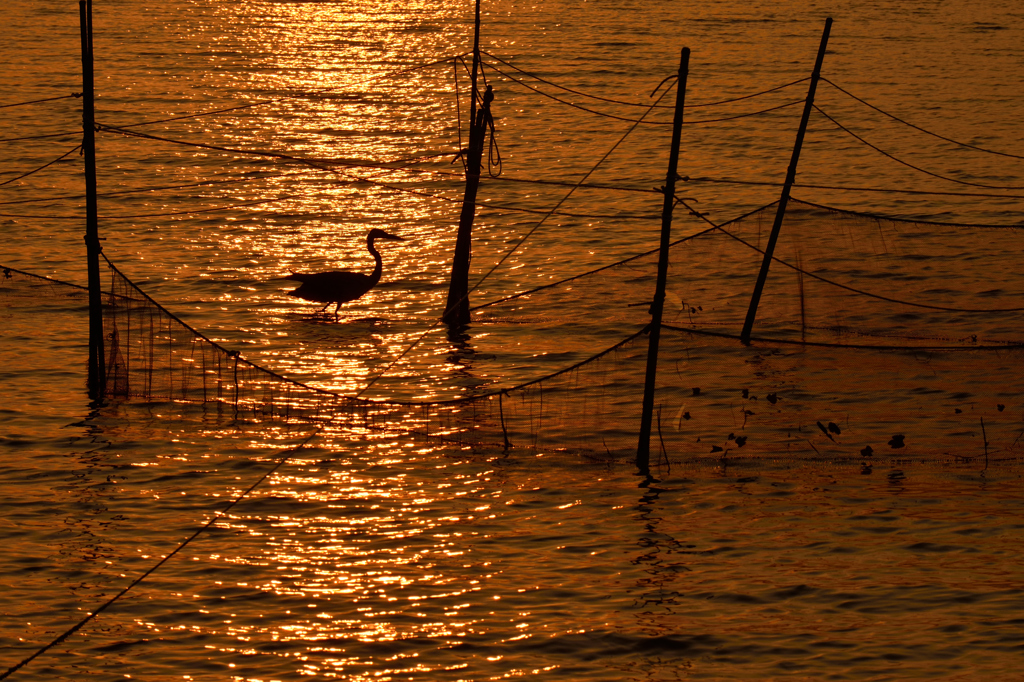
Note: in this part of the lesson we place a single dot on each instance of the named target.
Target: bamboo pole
(643, 450)
(97, 370)
(456, 310)
(769, 250)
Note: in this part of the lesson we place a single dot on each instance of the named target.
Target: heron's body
(341, 286)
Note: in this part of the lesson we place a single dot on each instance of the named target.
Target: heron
(341, 286)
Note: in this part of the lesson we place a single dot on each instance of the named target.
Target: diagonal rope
(37, 101)
(212, 209)
(390, 74)
(286, 456)
(316, 389)
(854, 290)
(640, 104)
(879, 216)
(6, 270)
(907, 164)
(857, 346)
(917, 127)
(140, 190)
(44, 166)
(884, 190)
(615, 264)
(633, 120)
(70, 133)
(576, 106)
(516, 246)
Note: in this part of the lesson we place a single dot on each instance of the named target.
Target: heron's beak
(393, 237)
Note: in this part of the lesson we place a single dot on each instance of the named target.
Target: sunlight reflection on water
(371, 557)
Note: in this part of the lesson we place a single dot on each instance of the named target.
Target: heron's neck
(379, 264)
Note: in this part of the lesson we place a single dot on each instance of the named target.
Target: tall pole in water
(97, 371)
(780, 213)
(456, 310)
(643, 454)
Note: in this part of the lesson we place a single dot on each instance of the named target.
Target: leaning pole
(780, 213)
(643, 450)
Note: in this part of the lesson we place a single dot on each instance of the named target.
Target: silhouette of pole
(97, 371)
(643, 454)
(769, 250)
(456, 310)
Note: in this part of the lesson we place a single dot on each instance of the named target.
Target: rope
(878, 216)
(46, 165)
(317, 163)
(569, 193)
(37, 101)
(844, 286)
(583, 185)
(572, 368)
(70, 133)
(287, 455)
(576, 106)
(334, 394)
(858, 346)
(919, 128)
(213, 209)
(324, 165)
(905, 163)
(320, 164)
(633, 120)
(639, 104)
(214, 112)
(856, 189)
(750, 113)
(458, 112)
(611, 265)
(516, 246)
(51, 280)
(152, 189)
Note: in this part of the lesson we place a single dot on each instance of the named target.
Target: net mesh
(876, 339)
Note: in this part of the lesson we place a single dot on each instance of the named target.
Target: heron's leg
(336, 309)
(323, 311)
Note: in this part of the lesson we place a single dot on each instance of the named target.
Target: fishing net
(20, 289)
(876, 339)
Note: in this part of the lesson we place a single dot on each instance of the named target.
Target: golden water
(401, 559)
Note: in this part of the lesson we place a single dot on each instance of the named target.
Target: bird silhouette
(341, 286)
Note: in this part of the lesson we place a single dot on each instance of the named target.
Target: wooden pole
(97, 371)
(762, 276)
(643, 450)
(456, 310)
